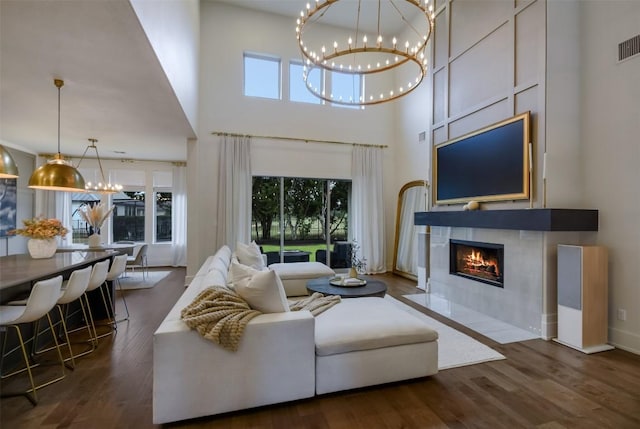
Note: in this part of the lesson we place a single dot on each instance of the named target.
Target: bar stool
(72, 289)
(118, 267)
(97, 279)
(42, 299)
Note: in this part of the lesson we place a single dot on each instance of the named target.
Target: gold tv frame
(526, 173)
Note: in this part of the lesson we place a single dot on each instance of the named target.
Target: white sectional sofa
(283, 356)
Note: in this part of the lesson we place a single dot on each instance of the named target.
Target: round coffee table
(322, 285)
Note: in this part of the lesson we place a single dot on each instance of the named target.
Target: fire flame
(474, 260)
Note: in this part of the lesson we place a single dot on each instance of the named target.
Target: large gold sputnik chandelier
(380, 60)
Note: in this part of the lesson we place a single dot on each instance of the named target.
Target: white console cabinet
(583, 297)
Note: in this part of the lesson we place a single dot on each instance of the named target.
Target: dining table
(19, 272)
(121, 247)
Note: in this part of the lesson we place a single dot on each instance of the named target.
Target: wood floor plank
(541, 384)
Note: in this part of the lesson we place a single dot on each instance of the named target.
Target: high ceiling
(345, 14)
(114, 91)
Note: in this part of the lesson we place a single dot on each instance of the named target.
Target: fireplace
(483, 262)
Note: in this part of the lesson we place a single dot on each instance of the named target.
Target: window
(128, 216)
(163, 216)
(298, 89)
(346, 87)
(296, 218)
(261, 76)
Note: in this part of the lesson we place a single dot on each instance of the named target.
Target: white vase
(95, 240)
(42, 248)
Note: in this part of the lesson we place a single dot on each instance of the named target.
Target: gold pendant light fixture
(365, 52)
(57, 174)
(8, 167)
(103, 187)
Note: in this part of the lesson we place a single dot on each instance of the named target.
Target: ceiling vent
(629, 48)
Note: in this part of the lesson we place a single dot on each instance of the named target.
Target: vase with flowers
(358, 265)
(95, 216)
(42, 233)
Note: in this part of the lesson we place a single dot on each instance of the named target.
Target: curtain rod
(221, 133)
(122, 160)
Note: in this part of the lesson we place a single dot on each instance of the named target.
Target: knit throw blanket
(220, 315)
(316, 303)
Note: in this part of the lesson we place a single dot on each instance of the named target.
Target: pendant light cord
(58, 83)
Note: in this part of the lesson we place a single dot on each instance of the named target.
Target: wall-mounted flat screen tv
(490, 164)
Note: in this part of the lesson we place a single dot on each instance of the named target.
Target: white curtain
(234, 190)
(368, 207)
(179, 216)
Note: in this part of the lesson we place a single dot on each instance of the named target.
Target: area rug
(133, 280)
(455, 349)
(495, 329)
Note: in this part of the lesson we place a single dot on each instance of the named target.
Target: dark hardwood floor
(541, 384)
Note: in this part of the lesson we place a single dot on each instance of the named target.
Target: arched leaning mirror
(411, 198)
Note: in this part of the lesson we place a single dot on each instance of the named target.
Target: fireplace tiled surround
(529, 298)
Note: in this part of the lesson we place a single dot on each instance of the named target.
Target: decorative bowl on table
(347, 281)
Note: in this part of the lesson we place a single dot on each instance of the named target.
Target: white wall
(586, 115)
(227, 32)
(610, 143)
(173, 30)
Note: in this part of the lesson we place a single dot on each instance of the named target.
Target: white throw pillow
(239, 273)
(249, 254)
(263, 292)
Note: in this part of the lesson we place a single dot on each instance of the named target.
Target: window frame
(165, 190)
(261, 57)
(317, 101)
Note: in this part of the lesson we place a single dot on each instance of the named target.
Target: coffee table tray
(347, 282)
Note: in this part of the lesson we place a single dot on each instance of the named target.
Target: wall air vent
(629, 48)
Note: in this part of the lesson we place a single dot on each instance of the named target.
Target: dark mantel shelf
(524, 219)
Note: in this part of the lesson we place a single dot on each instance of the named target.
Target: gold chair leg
(66, 335)
(118, 287)
(34, 388)
(34, 397)
(108, 308)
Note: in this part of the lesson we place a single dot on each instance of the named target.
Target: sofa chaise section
(194, 377)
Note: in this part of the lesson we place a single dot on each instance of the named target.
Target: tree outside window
(163, 216)
(129, 216)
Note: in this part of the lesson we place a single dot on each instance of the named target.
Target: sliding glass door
(299, 219)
